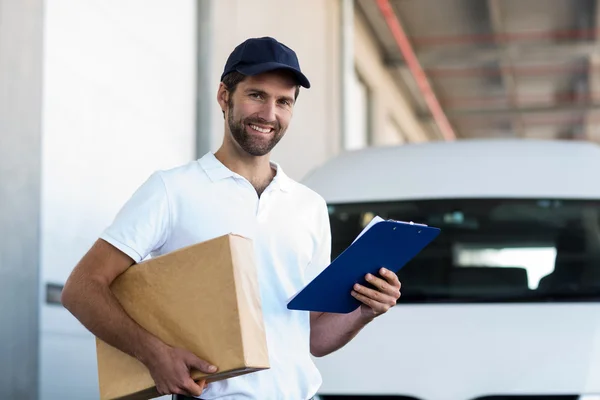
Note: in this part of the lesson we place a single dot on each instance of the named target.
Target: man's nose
(267, 111)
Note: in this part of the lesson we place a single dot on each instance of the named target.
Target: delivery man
(236, 189)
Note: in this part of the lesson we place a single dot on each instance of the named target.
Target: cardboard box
(203, 298)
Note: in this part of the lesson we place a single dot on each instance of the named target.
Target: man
(237, 189)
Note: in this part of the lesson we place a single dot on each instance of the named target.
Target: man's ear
(222, 96)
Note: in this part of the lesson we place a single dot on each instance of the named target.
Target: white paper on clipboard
(378, 219)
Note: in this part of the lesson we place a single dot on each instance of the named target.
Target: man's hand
(170, 368)
(330, 332)
(379, 300)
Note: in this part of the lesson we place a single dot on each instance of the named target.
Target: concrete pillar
(20, 176)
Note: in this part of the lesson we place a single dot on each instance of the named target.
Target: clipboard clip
(407, 222)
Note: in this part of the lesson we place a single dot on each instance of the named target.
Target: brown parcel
(203, 298)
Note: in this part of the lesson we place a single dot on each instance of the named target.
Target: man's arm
(330, 332)
(88, 297)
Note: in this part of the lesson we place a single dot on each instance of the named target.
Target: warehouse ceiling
(498, 68)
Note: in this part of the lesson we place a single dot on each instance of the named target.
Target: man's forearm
(330, 332)
(96, 307)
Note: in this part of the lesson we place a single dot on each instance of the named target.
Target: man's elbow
(67, 296)
(70, 294)
(317, 354)
(317, 351)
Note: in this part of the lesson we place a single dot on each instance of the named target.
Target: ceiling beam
(508, 77)
(475, 112)
(450, 56)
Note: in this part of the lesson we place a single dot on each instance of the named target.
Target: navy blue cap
(257, 55)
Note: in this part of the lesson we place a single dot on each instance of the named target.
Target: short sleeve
(322, 255)
(142, 225)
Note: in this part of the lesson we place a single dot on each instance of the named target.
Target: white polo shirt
(289, 226)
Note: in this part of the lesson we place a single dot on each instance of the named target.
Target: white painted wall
(119, 98)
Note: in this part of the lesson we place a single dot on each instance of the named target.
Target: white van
(505, 303)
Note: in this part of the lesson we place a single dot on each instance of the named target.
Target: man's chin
(256, 152)
(256, 144)
(255, 149)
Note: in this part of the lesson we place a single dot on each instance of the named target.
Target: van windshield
(491, 250)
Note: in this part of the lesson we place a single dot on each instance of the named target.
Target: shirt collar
(217, 171)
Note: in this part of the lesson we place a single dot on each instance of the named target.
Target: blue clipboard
(389, 244)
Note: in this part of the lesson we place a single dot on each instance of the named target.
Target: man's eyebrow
(254, 90)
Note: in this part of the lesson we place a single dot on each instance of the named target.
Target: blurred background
(96, 95)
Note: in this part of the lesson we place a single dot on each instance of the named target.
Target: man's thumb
(200, 365)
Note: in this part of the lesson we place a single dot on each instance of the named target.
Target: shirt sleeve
(322, 254)
(143, 223)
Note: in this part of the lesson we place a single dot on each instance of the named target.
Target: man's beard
(252, 144)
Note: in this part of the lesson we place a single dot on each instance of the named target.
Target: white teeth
(263, 130)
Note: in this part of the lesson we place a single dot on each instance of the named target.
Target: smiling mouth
(260, 129)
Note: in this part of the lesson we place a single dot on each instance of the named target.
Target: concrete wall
(20, 133)
(311, 28)
(118, 103)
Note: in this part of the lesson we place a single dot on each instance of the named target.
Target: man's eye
(255, 95)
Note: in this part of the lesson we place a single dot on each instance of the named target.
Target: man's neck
(257, 170)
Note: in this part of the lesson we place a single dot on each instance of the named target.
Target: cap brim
(272, 66)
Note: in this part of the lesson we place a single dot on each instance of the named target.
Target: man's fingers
(390, 277)
(385, 286)
(376, 306)
(192, 388)
(378, 297)
(384, 296)
(203, 385)
(369, 293)
(201, 365)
